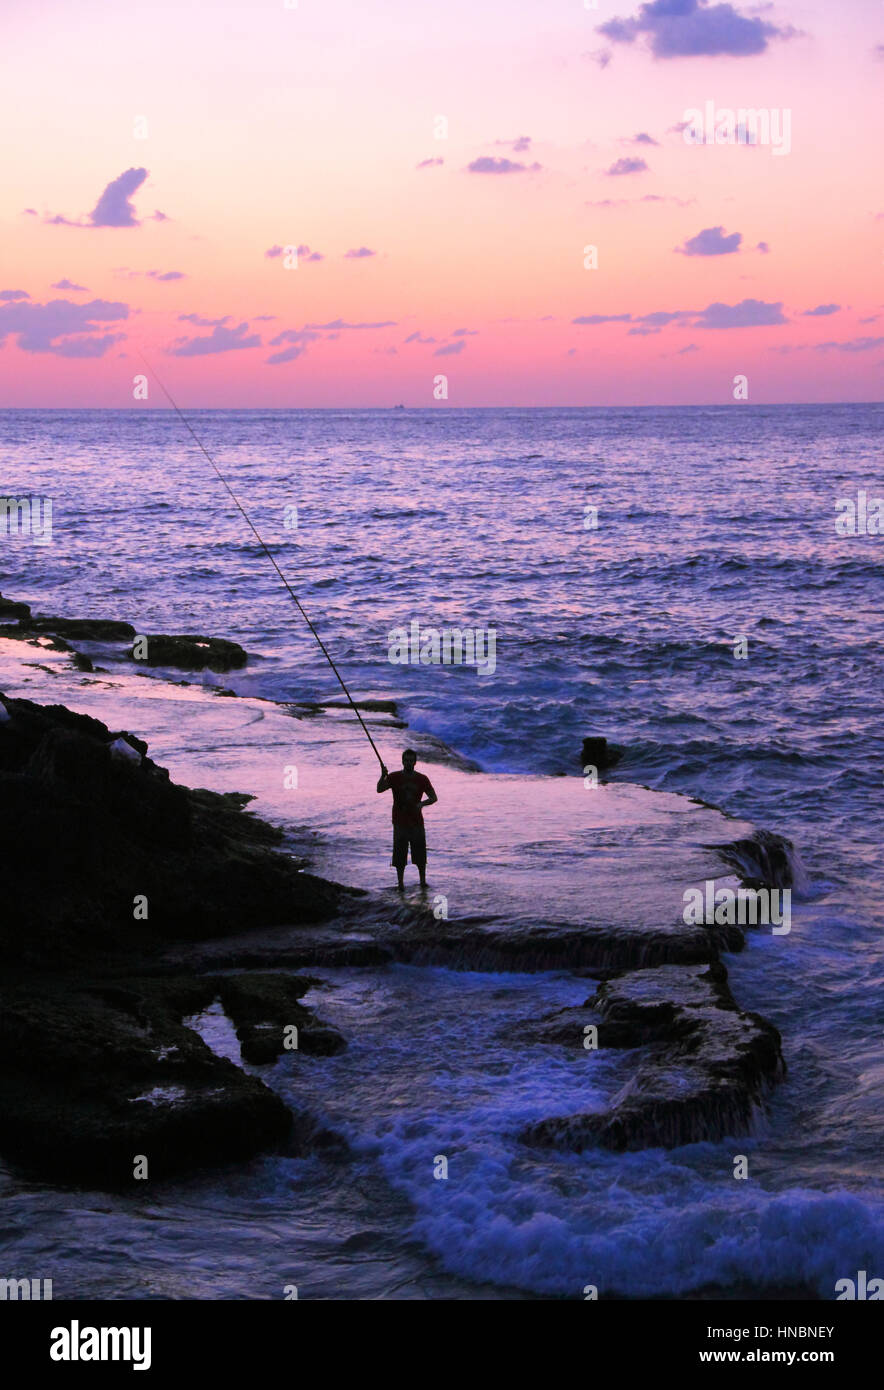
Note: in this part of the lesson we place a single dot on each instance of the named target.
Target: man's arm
(432, 798)
(383, 780)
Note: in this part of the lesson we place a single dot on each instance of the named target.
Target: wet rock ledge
(704, 1068)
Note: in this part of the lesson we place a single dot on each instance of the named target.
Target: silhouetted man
(408, 787)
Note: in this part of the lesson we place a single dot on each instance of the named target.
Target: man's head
(409, 758)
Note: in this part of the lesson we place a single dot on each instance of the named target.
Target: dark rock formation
(762, 860)
(11, 612)
(186, 651)
(705, 1069)
(600, 754)
(86, 629)
(262, 1006)
(370, 706)
(190, 652)
(95, 832)
(602, 950)
(87, 1085)
(96, 1065)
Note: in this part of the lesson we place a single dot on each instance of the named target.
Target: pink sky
(268, 126)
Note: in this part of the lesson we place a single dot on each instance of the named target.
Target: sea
(682, 581)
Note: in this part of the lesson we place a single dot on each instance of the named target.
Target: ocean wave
(637, 1226)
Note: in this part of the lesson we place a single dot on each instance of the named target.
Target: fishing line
(292, 595)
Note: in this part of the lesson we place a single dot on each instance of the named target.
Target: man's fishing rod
(292, 595)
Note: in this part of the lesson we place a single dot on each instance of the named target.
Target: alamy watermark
(447, 646)
(26, 516)
(76, 1343)
(712, 125)
(27, 1289)
(862, 517)
(862, 1288)
(741, 907)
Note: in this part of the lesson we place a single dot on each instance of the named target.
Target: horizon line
(436, 409)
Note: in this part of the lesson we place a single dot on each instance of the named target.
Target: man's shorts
(407, 837)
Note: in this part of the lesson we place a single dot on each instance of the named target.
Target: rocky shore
(134, 904)
(109, 861)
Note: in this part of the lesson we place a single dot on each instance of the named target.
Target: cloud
(338, 324)
(429, 163)
(298, 340)
(29, 212)
(276, 359)
(603, 318)
(68, 285)
(294, 335)
(694, 28)
(627, 165)
(821, 311)
(419, 338)
(465, 333)
(642, 138)
(450, 349)
(749, 313)
(149, 274)
(114, 208)
(712, 241)
(11, 295)
(303, 253)
(600, 56)
(647, 322)
(490, 164)
(642, 332)
(763, 248)
(87, 347)
(851, 345)
(691, 347)
(221, 339)
(199, 322)
(663, 316)
(61, 327)
(359, 253)
(518, 146)
(645, 198)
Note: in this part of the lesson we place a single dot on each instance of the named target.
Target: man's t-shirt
(407, 795)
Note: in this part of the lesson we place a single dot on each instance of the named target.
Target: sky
(330, 203)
